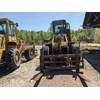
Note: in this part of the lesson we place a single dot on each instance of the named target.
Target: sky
(41, 20)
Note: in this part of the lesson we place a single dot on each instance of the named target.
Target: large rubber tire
(43, 51)
(46, 50)
(10, 58)
(75, 47)
(76, 50)
(29, 53)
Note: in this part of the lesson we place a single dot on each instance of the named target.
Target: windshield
(58, 27)
(2, 27)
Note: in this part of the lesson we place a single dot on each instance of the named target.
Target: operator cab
(59, 26)
(7, 27)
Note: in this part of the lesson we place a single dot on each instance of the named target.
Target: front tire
(44, 51)
(76, 51)
(13, 58)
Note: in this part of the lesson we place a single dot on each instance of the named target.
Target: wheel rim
(31, 53)
(17, 57)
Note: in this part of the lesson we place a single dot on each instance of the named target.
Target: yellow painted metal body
(59, 40)
(2, 45)
(7, 41)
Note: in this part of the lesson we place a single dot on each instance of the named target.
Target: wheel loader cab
(12, 40)
(59, 27)
(7, 32)
(61, 35)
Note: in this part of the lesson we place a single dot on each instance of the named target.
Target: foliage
(84, 35)
(37, 37)
(33, 37)
(97, 36)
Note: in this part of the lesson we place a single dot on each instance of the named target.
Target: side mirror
(16, 24)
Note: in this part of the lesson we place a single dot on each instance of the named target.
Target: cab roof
(62, 20)
(5, 19)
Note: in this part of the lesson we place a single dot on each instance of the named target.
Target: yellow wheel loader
(11, 47)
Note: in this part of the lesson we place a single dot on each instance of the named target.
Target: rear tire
(43, 51)
(13, 58)
(29, 53)
(75, 47)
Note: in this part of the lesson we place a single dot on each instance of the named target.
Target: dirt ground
(22, 77)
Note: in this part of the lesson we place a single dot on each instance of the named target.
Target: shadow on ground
(4, 70)
(49, 74)
(38, 68)
(93, 57)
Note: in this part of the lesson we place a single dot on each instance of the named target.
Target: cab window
(11, 29)
(2, 27)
